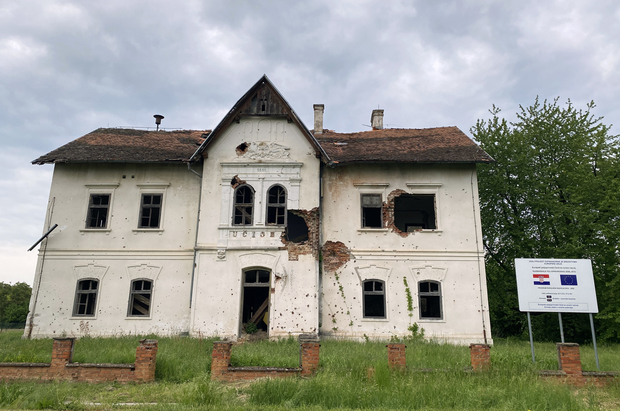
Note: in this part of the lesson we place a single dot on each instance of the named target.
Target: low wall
(569, 360)
(63, 368)
(222, 371)
(479, 356)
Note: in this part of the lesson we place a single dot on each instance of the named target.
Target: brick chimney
(318, 118)
(376, 120)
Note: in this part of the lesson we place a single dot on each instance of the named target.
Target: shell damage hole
(242, 148)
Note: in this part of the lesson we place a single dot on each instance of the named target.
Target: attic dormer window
(244, 205)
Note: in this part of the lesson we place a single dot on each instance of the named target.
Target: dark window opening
(85, 298)
(256, 298)
(140, 298)
(241, 149)
(414, 212)
(374, 299)
(430, 299)
(150, 211)
(276, 206)
(296, 228)
(372, 211)
(98, 206)
(244, 205)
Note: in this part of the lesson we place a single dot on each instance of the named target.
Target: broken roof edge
(229, 117)
(61, 161)
(334, 164)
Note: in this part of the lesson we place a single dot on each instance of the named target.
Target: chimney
(158, 119)
(376, 120)
(318, 118)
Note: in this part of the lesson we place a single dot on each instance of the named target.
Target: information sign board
(554, 285)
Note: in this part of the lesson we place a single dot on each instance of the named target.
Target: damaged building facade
(264, 225)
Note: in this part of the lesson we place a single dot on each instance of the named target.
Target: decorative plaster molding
(428, 273)
(150, 272)
(265, 260)
(367, 272)
(90, 271)
(266, 151)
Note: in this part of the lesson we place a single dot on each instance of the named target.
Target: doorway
(255, 308)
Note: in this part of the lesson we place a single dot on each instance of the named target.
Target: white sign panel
(558, 286)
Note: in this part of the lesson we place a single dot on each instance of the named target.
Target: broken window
(296, 228)
(255, 308)
(430, 299)
(372, 211)
(140, 298)
(374, 299)
(150, 210)
(85, 298)
(244, 205)
(98, 206)
(414, 212)
(276, 205)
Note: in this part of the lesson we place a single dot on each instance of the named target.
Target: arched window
(244, 205)
(140, 298)
(374, 299)
(85, 298)
(430, 299)
(276, 205)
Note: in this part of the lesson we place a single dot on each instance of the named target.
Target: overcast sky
(69, 67)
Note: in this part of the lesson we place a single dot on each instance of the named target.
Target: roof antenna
(158, 119)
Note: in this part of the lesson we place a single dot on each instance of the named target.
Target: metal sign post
(598, 367)
(561, 327)
(529, 326)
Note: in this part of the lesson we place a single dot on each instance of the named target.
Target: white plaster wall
(452, 254)
(278, 153)
(119, 253)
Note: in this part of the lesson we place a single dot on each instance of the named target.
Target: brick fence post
(397, 356)
(569, 359)
(146, 354)
(62, 354)
(220, 359)
(480, 356)
(309, 353)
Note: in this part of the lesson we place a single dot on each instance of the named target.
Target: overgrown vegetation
(554, 192)
(352, 376)
(14, 300)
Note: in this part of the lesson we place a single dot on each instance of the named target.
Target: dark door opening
(255, 308)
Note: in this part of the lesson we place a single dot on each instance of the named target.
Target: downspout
(35, 295)
(194, 262)
(473, 204)
(320, 245)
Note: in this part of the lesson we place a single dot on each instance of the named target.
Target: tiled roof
(429, 145)
(128, 145)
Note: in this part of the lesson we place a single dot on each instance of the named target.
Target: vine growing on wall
(409, 298)
(344, 299)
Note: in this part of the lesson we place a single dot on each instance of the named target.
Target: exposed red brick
(335, 255)
(310, 246)
(480, 357)
(397, 356)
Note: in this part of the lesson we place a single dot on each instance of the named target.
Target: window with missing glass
(98, 207)
(276, 205)
(430, 300)
(150, 210)
(85, 298)
(415, 212)
(374, 299)
(372, 211)
(140, 298)
(243, 205)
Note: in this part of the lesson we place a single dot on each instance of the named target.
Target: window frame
(277, 206)
(89, 292)
(363, 208)
(149, 207)
(428, 189)
(245, 206)
(374, 292)
(425, 294)
(92, 207)
(133, 293)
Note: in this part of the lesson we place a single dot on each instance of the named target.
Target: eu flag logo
(568, 279)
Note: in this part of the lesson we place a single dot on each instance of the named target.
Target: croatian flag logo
(541, 279)
(568, 279)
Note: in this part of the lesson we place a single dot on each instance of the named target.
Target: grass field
(343, 382)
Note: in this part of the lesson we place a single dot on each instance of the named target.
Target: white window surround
(99, 188)
(433, 189)
(151, 188)
(370, 188)
(87, 272)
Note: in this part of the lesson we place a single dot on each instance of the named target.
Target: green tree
(553, 193)
(14, 301)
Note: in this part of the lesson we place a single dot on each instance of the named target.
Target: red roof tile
(129, 146)
(429, 145)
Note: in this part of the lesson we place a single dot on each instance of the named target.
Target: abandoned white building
(262, 221)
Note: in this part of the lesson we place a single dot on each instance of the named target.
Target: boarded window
(276, 205)
(430, 299)
(414, 212)
(98, 206)
(140, 298)
(85, 298)
(244, 205)
(372, 211)
(150, 210)
(374, 299)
